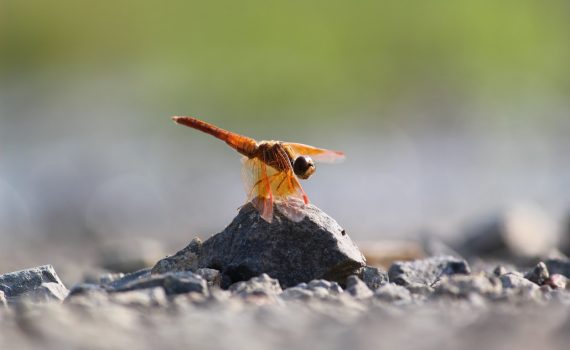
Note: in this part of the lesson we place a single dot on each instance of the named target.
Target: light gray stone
(261, 285)
(39, 283)
(391, 292)
(426, 271)
(463, 286)
(357, 288)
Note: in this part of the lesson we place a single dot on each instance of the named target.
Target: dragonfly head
(304, 167)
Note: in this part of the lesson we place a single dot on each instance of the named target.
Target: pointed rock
(292, 252)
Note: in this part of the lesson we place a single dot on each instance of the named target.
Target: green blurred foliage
(261, 57)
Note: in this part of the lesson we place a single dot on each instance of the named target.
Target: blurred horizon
(447, 111)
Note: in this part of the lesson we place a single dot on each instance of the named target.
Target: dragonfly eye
(304, 167)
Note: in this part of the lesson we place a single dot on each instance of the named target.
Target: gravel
(426, 271)
(329, 300)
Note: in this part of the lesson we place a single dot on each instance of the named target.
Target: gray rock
(292, 252)
(324, 285)
(523, 231)
(321, 289)
(391, 292)
(373, 277)
(426, 271)
(172, 282)
(110, 277)
(464, 286)
(261, 285)
(117, 284)
(85, 288)
(40, 283)
(539, 274)
(420, 289)
(213, 277)
(184, 260)
(48, 291)
(297, 292)
(357, 288)
(499, 270)
(141, 297)
(514, 281)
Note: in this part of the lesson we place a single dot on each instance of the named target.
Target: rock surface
(261, 285)
(164, 310)
(465, 285)
(426, 271)
(539, 274)
(373, 277)
(357, 288)
(391, 292)
(171, 282)
(315, 248)
(39, 283)
(320, 289)
(184, 260)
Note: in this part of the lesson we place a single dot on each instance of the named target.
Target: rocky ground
(300, 285)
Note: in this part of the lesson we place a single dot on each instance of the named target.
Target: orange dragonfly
(271, 169)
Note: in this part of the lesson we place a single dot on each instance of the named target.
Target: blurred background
(446, 110)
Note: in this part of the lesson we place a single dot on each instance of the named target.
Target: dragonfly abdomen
(243, 144)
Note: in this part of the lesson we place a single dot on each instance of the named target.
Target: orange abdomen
(243, 144)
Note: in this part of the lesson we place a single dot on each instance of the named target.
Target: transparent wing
(257, 187)
(318, 154)
(266, 186)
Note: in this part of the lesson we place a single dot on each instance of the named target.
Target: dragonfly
(271, 169)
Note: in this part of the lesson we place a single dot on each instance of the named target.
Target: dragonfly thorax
(277, 155)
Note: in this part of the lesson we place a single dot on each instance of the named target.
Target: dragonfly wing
(290, 197)
(318, 154)
(266, 186)
(257, 187)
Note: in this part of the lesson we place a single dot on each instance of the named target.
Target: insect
(271, 169)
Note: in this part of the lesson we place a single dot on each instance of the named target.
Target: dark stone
(129, 278)
(373, 277)
(184, 260)
(357, 288)
(426, 271)
(172, 282)
(539, 274)
(41, 283)
(292, 252)
(84, 288)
